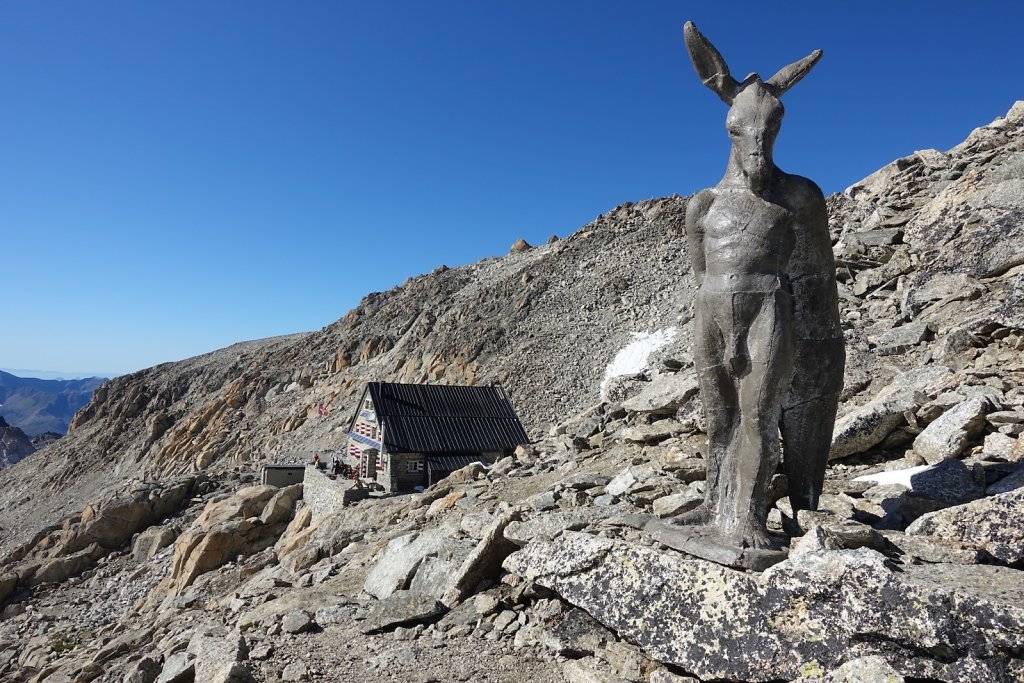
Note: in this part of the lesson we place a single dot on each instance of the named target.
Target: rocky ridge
(14, 444)
(537, 567)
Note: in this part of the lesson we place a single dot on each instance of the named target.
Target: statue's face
(753, 123)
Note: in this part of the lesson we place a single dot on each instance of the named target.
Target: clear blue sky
(178, 176)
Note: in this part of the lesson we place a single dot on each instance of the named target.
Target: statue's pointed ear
(709, 64)
(788, 76)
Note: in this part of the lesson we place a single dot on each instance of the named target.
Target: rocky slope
(544, 322)
(43, 405)
(171, 565)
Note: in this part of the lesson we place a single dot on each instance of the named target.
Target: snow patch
(902, 477)
(632, 358)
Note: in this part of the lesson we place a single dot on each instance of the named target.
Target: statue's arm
(813, 254)
(696, 209)
(815, 216)
(812, 268)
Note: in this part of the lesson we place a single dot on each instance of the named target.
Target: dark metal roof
(439, 418)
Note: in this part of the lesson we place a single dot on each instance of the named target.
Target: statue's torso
(746, 238)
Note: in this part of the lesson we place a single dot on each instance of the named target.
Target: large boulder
(281, 505)
(296, 533)
(868, 425)
(151, 541)
(664, 395)
(246, 502)
(197, 552)
(401, 607)
(991, 524)
(899, 339)
(677, 503)
(948, 483)
(902, 496)
(551, 524)
(483, 562)
(112, 523)
(948, 436)
(62, 567)
(8, 582)
(230, 527)
(628, 478)
(213, 655)
(397, 562)
(824, 608)
(433, 576)
(59, 552)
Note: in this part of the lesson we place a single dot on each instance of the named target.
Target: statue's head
(755, 109)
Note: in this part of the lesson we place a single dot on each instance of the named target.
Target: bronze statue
(768, 345)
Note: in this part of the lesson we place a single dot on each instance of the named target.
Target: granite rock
(948, 436)
(868, 425)
(983, 524)
(401, 607)
(298, 621)
(900, 339)
(677, 503)
(550, 524)
(664, 395)
(483, 562)
(863, 669)
(398, 560)
(721, 623)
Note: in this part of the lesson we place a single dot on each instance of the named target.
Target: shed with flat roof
(282, 475)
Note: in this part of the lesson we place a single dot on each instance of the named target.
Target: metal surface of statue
(768, 344)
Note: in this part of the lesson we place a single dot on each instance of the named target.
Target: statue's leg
(718, 395)
(767, 319)
(808, 417)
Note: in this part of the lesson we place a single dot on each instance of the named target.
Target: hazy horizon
(54, 374)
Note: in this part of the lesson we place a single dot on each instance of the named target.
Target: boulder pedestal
(816, 611)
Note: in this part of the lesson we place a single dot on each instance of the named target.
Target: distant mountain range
(56, 374)
(43, 405)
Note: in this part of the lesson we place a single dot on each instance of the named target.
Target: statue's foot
(698, 515)
(791, 526)
(751, 534)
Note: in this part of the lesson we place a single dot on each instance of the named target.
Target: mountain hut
(412, 435)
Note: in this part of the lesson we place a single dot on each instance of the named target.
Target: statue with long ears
(768, 345)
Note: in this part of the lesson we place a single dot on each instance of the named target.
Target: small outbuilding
(282, 475)
(412, 435)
